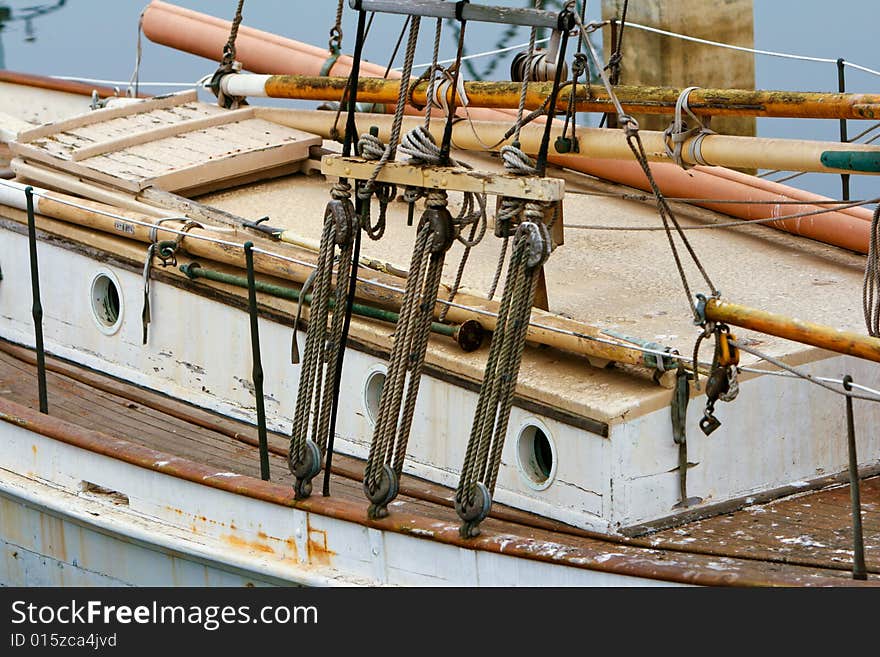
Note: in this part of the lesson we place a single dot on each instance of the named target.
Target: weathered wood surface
(814, 529)
(171, 143)
(659, 60)
(448, 178)
(594, 98)
(802, 542)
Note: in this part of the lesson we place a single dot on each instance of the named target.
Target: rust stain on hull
(242, 543)
(592, 554)
(319, 551)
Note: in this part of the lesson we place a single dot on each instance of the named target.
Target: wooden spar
(605, 143)
(264, 52)
(54, 84)
(847, 228)
(817, 335)
(593, 98)
(555, 331)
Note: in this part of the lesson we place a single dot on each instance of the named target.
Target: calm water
(96, 38)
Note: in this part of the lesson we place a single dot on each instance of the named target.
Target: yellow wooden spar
(817, 335)
(380, 289)
(588, 98)
(604, 143)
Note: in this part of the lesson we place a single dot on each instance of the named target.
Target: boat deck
(800, 540)
(592, 278)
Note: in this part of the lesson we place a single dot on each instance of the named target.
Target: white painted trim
(244, 84)
(12, 194)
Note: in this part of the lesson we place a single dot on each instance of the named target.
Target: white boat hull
(160, 530)
(778, 435)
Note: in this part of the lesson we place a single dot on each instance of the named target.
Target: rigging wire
(756, 51)
(742, 223)
(631, 128)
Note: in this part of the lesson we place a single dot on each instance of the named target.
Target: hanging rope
(616, 58)
(314, 400)
(580, 66)
(634, 141)
(871, 287)
(399, 394)
(420, 145)
(334, 45)
(518, 162)
(515, 160)
(228, 65)
(397, 123)
(146, 313)
(134, 82)
(478, 222)
(531, 248)
(352, 263)
(372, 148)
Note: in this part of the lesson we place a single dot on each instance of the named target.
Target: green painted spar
(852, 161)
(468, 335)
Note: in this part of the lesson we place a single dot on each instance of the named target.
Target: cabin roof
(621, 280)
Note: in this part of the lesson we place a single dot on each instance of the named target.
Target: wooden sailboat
(153, 325)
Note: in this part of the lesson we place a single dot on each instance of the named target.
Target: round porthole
(373, 392)
(106, 302)
(536, 455)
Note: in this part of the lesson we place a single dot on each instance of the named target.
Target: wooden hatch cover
(171, 142)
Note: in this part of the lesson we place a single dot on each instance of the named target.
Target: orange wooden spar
(817, 335)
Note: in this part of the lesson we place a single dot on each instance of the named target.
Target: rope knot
(371, 147)
(516, 161)
(436, 198)
(509, 210)
(629, 124)
(341, 191)
(419, 144)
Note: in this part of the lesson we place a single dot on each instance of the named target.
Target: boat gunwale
(216, 292)
(629, 560)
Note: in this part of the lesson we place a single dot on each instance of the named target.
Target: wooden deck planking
(787, 530)
(105, 412)
(191, 144)
(100, 411)
(120, 165)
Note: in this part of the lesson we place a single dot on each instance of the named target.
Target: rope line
(742, 223)
(479, 472)
(634, 141)
(803, 375)
(399, 393)
(770, 53)
(824, 379)
(871, 284)
(322, 358)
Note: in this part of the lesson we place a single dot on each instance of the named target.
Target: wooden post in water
(658, 60)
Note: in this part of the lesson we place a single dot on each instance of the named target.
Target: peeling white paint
(806, 541)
